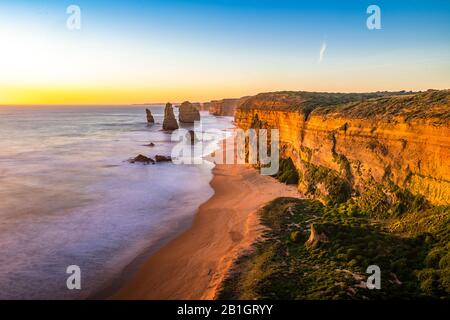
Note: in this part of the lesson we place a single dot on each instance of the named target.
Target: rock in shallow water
(150, 118)
(159, 158)
(142, 159)
(188, 113)
(170, 123)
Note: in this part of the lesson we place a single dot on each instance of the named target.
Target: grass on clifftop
(431, 104)
(412, 252)
(304, 101)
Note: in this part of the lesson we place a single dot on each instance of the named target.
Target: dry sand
(193, 265)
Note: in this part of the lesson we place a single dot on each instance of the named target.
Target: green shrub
(352, 210)
(429, 239)
(399, 265)
(445, 261)
(287, 172)
(353, 263)
(444, 280)
(342, 256)
(344, 165)
(338, 189)
(425, 274)
(429, 281)
(427, 286)
(296, 236)
(351, 252)
(433, 257)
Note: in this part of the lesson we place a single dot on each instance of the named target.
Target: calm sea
(68, 196)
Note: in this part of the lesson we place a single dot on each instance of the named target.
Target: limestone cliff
(225, 107)
(170, 123)
(204, 106)
(380, 147)
(197, 105)
(188, 113)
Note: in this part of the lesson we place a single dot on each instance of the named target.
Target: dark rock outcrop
(142, 159)
(170, 123)
(159, 158)
(188, 113)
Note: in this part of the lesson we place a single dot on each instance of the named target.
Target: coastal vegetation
(412, 252)
(307, 101)
(431, 104)
(287, 172)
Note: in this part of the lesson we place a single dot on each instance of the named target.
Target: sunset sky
(158, 51)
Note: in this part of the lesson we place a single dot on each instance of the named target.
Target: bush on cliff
(282, 267)
(337, 190)
(287, 172)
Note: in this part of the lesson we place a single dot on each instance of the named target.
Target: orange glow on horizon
(79, 95)
(87, 96)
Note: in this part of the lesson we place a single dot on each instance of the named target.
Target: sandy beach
(193, 265)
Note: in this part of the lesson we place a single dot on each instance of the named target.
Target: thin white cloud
(322, 51)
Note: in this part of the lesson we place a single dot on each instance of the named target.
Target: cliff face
(376, 146)
(169, 123)
(225, 107)
(188, 113)
(203, 106)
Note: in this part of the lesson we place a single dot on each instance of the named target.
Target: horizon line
(204, 101)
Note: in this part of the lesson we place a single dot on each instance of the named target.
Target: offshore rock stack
(188, 113)
(150, 118)
(170, 123)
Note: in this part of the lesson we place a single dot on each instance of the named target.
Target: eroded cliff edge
(378, 147)
(224, 107)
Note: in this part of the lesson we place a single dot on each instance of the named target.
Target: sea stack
(188, 113)
(150, 118)
(170, 123)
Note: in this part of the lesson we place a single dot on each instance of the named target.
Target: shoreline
(193, 265)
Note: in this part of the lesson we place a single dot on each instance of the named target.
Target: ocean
(68, 196)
